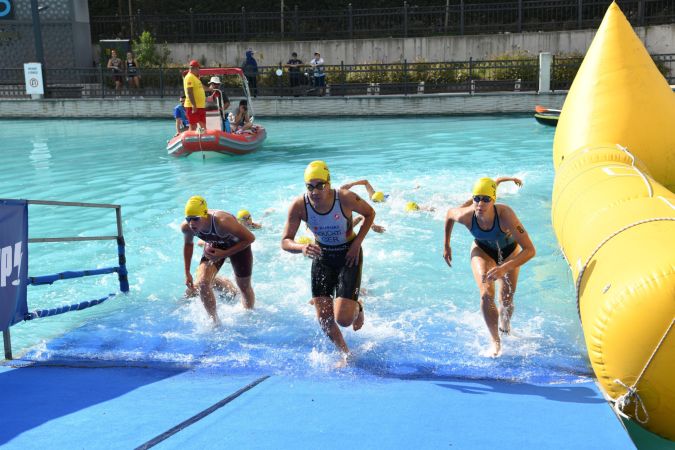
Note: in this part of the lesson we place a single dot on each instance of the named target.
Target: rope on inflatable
(64, 309)
(644, 177)
(631, 391)
(607, 239)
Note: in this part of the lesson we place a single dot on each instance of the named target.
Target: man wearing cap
(319, 74)
(501, 245)
(224, 237)
(337, 256)
(195, 102)
(221, 101)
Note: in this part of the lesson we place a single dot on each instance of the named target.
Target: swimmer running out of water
(337, 255)
(500, 247)
(224, 238)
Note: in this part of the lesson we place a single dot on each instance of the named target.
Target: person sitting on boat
(179, 114)
(244, 218)
(242, 119)
(501, 245)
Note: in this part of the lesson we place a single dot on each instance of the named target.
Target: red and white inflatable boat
(214, 140)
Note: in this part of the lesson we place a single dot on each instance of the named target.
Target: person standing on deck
(195, 101)
(500, 247)
(337, 255)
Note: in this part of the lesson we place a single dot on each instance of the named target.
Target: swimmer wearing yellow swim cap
(336, 250)
(412, 206)
(196, 207)
(317, 170)
(224, 238)
(376, 196)
(501, 245)
(244, 218)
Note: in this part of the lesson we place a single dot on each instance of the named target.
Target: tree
(148, 53)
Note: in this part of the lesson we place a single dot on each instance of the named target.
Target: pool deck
(60, 406)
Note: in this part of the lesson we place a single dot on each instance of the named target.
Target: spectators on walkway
(319, 73)
(294, 76)
(133, 72)
(250, 68)
(115, 66)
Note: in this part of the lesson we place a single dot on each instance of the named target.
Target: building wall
(66, 34)
(657, 39)
(390, 105)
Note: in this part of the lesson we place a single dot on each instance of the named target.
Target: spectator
(250, 68)
(242, 120)
(115, 66)
(179, 114)
(133, 72)
(293, 66)
(195, 101)
(319, 74)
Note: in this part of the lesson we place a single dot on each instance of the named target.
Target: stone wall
(390, 105)
(657, 39)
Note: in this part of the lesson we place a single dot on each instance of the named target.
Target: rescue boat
(215, 140)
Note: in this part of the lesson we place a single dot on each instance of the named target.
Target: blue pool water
(422, 318)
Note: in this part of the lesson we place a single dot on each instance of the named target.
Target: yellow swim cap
(243, 214)
(412, 206)
(485, 186)
(196, 206)
(304, 240)
(317, 170)
(378, 197)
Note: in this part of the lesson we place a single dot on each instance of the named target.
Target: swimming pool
(422, 318)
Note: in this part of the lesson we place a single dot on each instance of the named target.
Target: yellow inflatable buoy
(613, 212)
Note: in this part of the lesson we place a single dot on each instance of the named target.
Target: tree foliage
(148, 53)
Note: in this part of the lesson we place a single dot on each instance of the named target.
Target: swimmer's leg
(225, 286)
(481, 263)
(506, 295)
(206, 273)
(326, 316)
(242, 264)
(247, 294)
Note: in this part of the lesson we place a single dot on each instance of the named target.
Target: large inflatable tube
(613, 213)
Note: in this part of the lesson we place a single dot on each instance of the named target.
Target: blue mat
(125, 407)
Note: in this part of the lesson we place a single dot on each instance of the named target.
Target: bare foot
(496, 350)
(343, 362)
(358, 322)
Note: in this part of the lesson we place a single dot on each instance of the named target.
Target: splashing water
(422, 318)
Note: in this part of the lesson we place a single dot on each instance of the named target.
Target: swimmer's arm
(365, 183)
(291, 228)
(188, 247)
(517, 181)
(453, 215)
(510, 223)
(356, 204)
(229, 224)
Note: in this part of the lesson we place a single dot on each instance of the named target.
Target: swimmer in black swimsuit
(224, 238)
(501, 246)
(337, 256)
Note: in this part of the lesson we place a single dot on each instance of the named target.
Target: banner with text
(13, 261)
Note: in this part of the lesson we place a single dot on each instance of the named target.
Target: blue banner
(13, 261)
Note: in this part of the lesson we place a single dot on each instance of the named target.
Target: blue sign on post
(6, 10)
(13, 261)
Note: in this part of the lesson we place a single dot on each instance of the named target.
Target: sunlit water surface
(422, 317)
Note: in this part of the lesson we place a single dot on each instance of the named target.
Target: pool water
(422, 317)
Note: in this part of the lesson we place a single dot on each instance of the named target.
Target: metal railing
(459, 18)
(472, 76)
